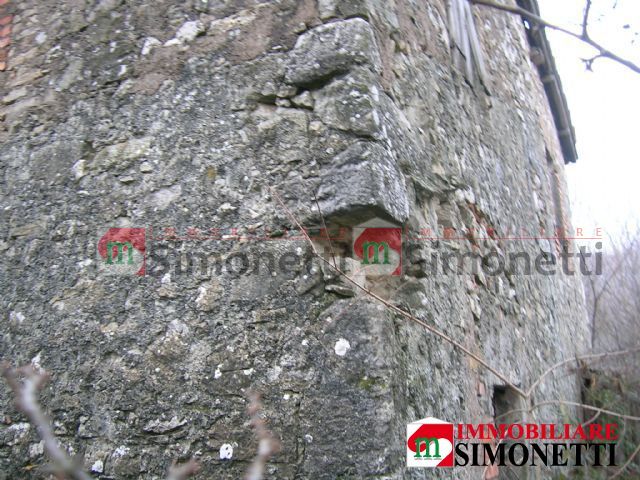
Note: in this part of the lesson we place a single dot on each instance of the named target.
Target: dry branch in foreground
(25, 392)
(267, 443)
(25, 383)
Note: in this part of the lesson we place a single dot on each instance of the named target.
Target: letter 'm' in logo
(374, 247)
(377, 244)
(122, 250)
(119, 246)
(426, 443)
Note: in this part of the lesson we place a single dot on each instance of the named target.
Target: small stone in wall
(79, 169)
(146, 167)
(160, 426)
(304, 100)
(207, 295)
(36, 449)
(187, 33)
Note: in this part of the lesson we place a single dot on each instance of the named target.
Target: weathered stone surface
(104, 126)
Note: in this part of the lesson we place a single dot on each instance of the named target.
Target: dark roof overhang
(551, 81)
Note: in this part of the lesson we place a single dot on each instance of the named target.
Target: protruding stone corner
(331, 49)
(363, 181)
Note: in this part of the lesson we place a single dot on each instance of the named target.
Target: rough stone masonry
(183, 114)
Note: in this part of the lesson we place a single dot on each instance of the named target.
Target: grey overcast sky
(604, 184)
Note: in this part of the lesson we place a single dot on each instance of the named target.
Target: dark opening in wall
(507, 406)
(505, 403)
(544, 61)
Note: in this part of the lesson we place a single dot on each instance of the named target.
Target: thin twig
(602, 51)
(585, 19)
(324, 225)
(570, 403)
(582, 357)
(26, 399)
(267, 443)
(592, 419)
(184, 471)
(586, 407)
(626, 464)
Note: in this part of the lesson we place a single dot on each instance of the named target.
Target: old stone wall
(183, 114)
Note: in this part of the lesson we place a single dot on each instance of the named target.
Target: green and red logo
(377, 244)
(430, 443)
(123, 251)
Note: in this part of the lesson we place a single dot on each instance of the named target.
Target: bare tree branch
(333, 256)
(585, 19)
(26, 399)
(184, 471)
(267, 443)
(573, 404)
(582, 357)
(582, 36)
(621, 470)
(592, 419)
(586, 407)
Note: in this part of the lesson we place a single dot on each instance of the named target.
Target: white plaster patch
(79, 169)
(36, 449)
(342, 347)
(189, 31)
(98, 466)
(226, 451)
(121, 451)
(17, 317)
(149, 44)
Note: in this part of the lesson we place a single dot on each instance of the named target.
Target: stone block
(363, 181)
(331, 49)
